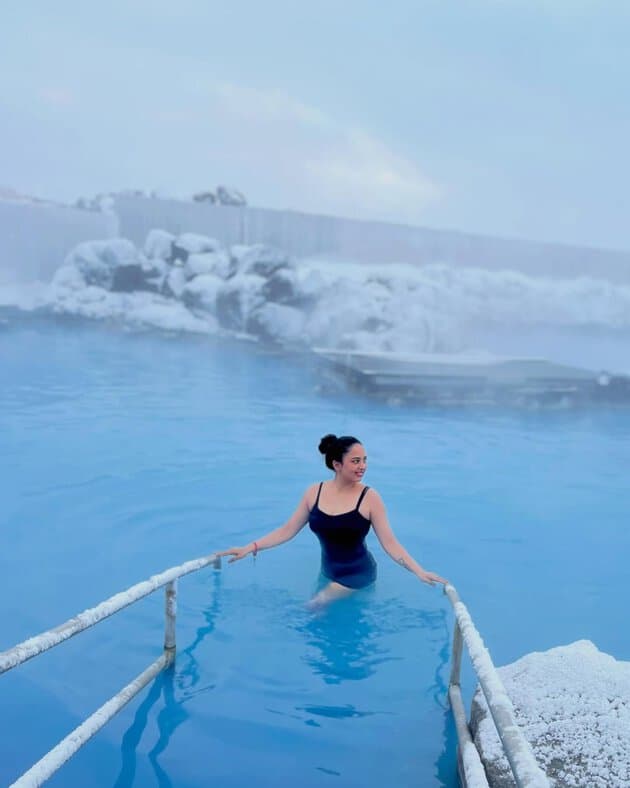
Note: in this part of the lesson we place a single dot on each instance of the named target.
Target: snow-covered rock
(258, 259)
(193, 243)
(573, 705)
(96, 260)
(205, 196)
(218, 263)
(237, 299)
(201, 292)
(277, 323)
(114, 265)
(249, 289)
(68, 277)
(100, 202)
(175, 282)
(282, 287)
(229, 196)
(335, 304)
(159, 245)
(139, 310)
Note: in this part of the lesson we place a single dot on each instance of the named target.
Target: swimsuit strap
(318, 492)
(361, 497)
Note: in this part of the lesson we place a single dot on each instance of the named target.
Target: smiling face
(353, 464)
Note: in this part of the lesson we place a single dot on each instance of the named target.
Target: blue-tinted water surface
(123, 454)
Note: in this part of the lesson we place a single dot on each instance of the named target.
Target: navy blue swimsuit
(345, 558)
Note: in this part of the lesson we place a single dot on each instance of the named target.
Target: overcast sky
(508, 117)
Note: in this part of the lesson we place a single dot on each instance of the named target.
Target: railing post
(34, 646)
(170, 610)
(456, 655)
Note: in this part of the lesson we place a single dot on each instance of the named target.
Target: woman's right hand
(431, 578)
(237, 552)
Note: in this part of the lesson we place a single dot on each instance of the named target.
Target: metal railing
(526, 771)
(24, 651)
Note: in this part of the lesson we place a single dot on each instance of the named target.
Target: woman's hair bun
(326, 443)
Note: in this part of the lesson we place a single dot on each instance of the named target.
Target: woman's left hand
(432, 578)
(236, 552)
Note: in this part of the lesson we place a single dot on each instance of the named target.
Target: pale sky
(506, 117)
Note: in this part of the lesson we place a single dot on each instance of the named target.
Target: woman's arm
(391, 545)
(293, 526)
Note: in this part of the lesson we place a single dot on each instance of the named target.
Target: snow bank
(191, 282)
(573, 705)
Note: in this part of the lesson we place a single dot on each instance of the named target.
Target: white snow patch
(202, 291)
(193, 243)
(573, 705)
(140, 309)
(499, 700)
(217, 263)
(159, 244)
(28, 298)
(473, 769)
(336, 304)
(284, 323)
(473, 293)
(176, 280)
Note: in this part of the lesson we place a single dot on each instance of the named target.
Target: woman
(340, 512)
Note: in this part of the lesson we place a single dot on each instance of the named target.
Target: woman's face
(353, 464)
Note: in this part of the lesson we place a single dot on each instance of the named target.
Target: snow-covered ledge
(573, 705)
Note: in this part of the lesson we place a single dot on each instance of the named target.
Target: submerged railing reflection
(176, 689)
(28, 649)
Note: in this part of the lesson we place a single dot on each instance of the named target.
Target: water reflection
(177, 685)
(347, 641)
(342, 643)
(446, 764)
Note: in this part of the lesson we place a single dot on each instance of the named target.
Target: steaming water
(125, 453)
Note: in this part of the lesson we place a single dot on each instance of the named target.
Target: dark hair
(334, 448)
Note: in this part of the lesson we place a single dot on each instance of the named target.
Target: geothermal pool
(124, 453)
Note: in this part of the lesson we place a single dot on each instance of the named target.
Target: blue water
(123, 454)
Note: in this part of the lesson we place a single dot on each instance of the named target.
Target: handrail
(34, 646)
(526, 771)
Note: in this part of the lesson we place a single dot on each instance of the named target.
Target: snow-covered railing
(54, 759)
(527, 773)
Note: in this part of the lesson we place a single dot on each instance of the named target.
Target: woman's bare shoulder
(373, 500)
(310, 494)
(373, 493)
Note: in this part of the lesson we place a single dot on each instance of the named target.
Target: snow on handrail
(527, 773)
(36, 645)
